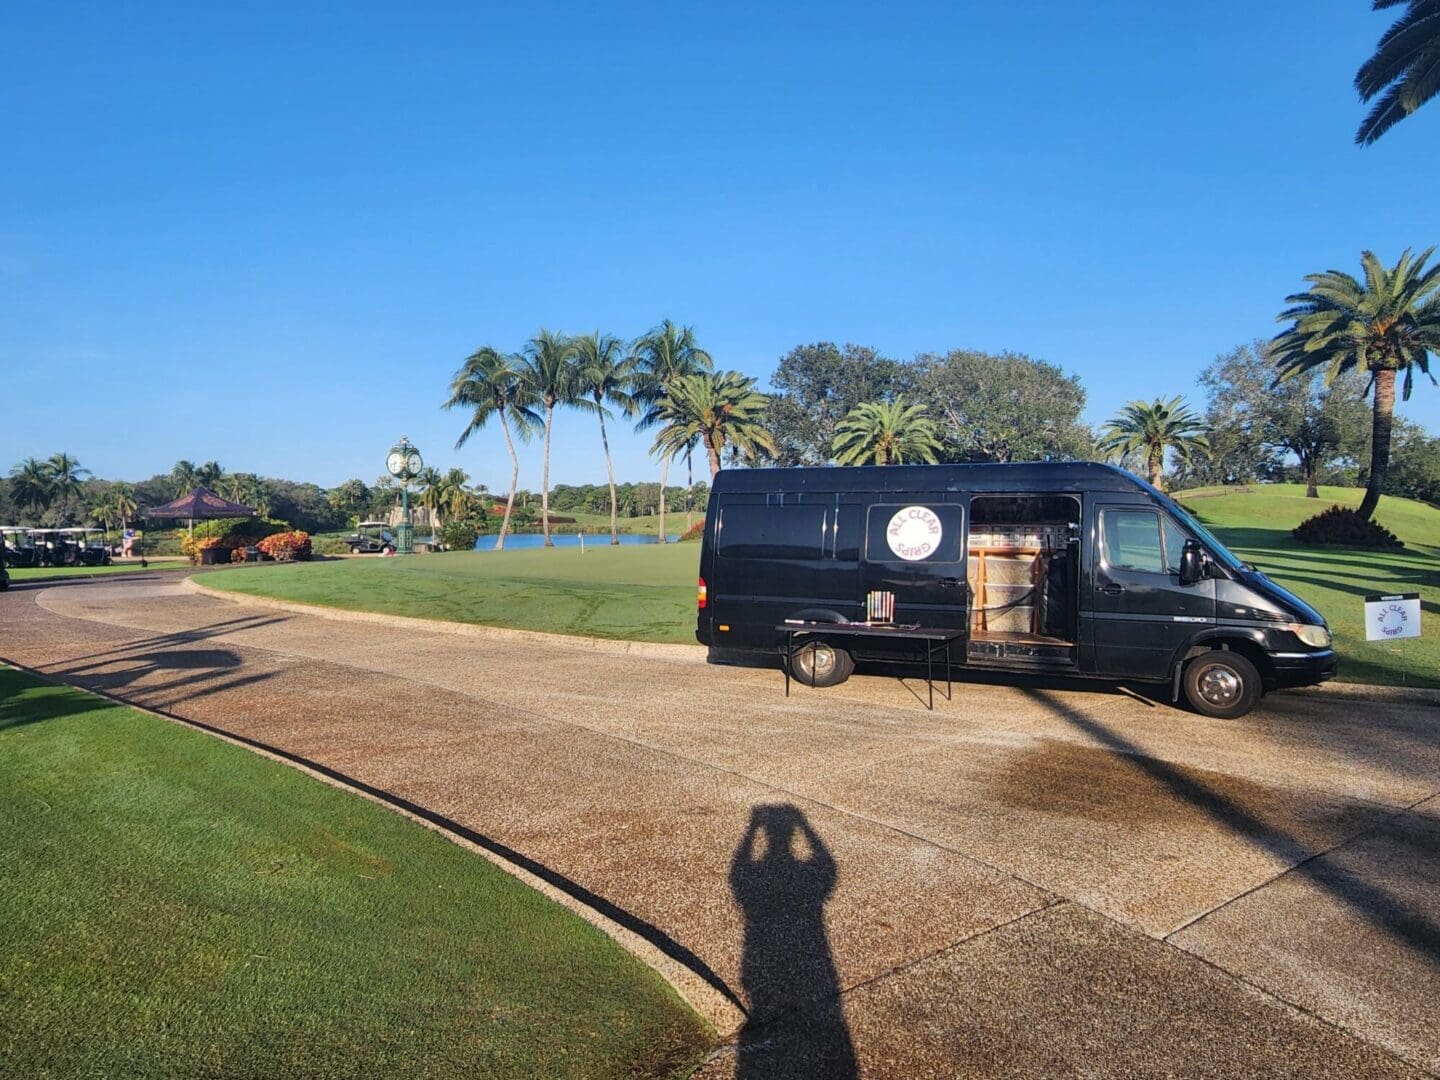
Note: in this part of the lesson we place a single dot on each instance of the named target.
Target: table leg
(789, 655)
(930, 672)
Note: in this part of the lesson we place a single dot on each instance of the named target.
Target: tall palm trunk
(1155, 463)
(545, 474)
(514, 481)
(610, 473)
(690, 486)
(1383, 420)
(713, 452)
(664, 479)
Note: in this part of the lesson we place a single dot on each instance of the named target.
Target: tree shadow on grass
(781, 875)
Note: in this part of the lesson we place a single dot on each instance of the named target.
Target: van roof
(1040, 476)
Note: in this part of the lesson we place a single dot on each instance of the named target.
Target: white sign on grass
(1390, 617)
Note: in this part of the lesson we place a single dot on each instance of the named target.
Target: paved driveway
(1034, 880)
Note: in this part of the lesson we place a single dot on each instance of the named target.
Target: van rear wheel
(1222, 684)
(818, 663)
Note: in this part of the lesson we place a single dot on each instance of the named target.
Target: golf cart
(90, 546)
(371, 538)
(54, 548)
(18, 547)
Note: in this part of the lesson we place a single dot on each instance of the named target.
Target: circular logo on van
(914, 533)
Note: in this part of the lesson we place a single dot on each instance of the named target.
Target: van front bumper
(1303, 668)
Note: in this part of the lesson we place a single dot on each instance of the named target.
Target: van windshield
(1222, 554)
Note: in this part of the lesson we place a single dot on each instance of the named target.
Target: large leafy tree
(607, 375)
(491, 385)
(1009, 407)
(31, 486)
(714, 410)
(554, 377)
(1150, 428)
(818, 385)
(1404, 73)
(664, 355)
(1253, 425)
(1386, 324)
(210, 474)
(885, 433)
(67, 480)
(350, 498)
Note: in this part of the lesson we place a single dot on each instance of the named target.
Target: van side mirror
(1192, 563)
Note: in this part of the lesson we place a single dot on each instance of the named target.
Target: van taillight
(702, 595)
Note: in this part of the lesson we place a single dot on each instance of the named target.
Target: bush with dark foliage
(1344, 528)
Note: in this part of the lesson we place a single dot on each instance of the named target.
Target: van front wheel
(1222, 684)
(819, 663)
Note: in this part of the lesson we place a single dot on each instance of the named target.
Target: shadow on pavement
(1368, 899)
(781, 875)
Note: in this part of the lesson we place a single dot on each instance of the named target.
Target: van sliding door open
(1022, 566)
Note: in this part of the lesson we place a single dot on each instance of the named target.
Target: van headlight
(1317, 637)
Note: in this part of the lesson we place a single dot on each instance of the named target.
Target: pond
(535, 540)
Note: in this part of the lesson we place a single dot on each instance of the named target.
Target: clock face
(413, 464)
(395, 463)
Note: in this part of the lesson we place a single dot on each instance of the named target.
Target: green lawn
(1257, 524)
(172, 905)
(648, 593)
(635, 592)
(44, 573)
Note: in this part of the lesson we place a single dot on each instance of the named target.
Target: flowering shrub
(287, 546)
(191, 547)
(694, 532)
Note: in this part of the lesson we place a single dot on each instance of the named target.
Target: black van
(1069, 568)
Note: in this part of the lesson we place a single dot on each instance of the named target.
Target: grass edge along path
(20, 574)
(641, 592)
(171, 903)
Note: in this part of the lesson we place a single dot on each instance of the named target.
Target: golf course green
(647, 592)
(173, 905)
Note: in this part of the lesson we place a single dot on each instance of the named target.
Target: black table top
(898, 630)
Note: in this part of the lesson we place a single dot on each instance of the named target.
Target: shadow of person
(781, 875)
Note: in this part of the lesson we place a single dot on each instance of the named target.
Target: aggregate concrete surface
(1048, 878)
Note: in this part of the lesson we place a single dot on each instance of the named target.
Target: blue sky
(268, 233)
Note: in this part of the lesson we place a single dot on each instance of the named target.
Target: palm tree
(67, 478)
(31, 486)
(184, 476)
(885, 433)
(608, 376)
(490, 383)
(551, 371)
(665, 354)
(1405, 70)
(715, 410)
(122, 501)
(1151, 428)
(430, 484)
(209, 474)
(1388, 324)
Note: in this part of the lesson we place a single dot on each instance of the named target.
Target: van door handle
(1112, 589)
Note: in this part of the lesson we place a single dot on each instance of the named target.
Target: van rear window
(771, 532)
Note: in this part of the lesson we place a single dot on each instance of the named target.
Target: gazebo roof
(199, 505)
